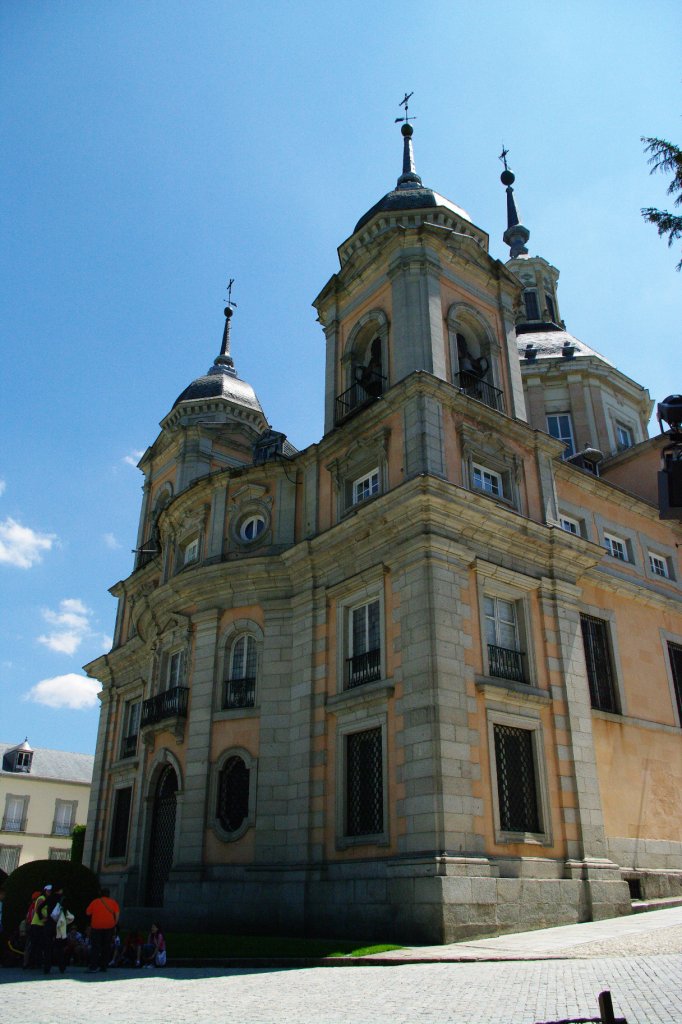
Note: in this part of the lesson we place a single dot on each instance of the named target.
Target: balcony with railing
(363, 668)
(129, 746)
(10, 824)
(168, 704)
(506, 664)
(61, 828)
(476, 387)
(358, 395)
(239, 693)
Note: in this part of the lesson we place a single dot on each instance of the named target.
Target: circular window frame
(252, 510)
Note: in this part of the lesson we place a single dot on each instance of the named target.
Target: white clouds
(111, 541)
(70, 626)
(133, 457)
(21, 546)
(68, 691)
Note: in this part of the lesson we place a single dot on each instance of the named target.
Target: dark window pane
(516, 789)
(233, 794)
(600, 673)
(119, 825)
(364, 784)
(675, 652)
(532, 308)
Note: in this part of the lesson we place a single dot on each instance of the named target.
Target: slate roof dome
(410, 192)
(550, 342)
(221, 382)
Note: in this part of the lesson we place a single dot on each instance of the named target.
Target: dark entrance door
(163, 836)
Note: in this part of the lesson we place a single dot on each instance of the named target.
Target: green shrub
(79, 883)
(77, 844)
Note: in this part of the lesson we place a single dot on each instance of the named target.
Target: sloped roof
(60, 765)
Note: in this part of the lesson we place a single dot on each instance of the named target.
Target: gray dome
(549, 342)
(221, 381)
(414, 197)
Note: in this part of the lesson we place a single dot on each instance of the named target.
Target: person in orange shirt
(103, 913)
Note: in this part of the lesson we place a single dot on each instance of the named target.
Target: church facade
(423, 679)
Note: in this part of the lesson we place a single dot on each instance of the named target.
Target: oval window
(252, 527)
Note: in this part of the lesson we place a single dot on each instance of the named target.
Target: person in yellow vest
(37, 928)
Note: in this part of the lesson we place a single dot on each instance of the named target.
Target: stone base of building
(418, 900)
(652, 867)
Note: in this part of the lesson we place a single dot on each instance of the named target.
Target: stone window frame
(623, 534)
(494, 581)
(373, 479)
(363, 457)
(609, 617)
(618, 547)
(667, 554)
(570, 448)
(563, 518)
(347, 726)
(577, 514)
(361, 594)
(668, 638)
(530, 720)
(59, 853)
(129, 701)
(488, 452)
(534, 293)
(228, 638)
(25, 799)
(461, 318)
(122, 784)
(58, 804)
(617, 417)
(249, 821)
(360, 336)
(249, 502)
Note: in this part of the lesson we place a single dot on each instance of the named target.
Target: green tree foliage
(77, 844)
(79, 883)
(666, 157)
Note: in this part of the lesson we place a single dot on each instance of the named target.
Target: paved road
(638, 959)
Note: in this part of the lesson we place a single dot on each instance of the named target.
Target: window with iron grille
(59, 853)
(233, 794)
(9, 858)
(364, 783)
(675, 654)
(131, 728)
(599, 661)
(530, 299)
(14, 818)
(516, 783)
(239, 689)
(118, 842)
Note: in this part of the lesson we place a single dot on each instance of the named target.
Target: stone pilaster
(418, 339)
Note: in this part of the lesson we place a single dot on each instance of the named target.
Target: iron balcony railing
(60, 829)
(14, 824)
(363, 668)
(358, 395)
(168, 704)
(150, 549)
(239, 693)
(478, 388)
(129, 746)
(506, 664)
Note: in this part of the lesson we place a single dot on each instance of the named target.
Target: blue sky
(153, 149)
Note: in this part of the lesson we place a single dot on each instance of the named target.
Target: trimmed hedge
(79, 883)
(77, 844)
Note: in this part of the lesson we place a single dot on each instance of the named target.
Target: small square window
(487, 480)
(570, 525)
(616, 547)
(659, 565)
(366, 486)
(191, 551)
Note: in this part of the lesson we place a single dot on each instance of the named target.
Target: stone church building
(423, 679)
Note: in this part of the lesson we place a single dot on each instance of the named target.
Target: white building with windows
(423, 679)
(43, 794)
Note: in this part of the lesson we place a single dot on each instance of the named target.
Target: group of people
(50, 937)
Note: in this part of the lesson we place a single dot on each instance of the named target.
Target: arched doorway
(162, 838)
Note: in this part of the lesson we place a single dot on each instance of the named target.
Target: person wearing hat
(37, 928)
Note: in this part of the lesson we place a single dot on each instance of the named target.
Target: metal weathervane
(229, 294)
(503, 157)
(404, 103)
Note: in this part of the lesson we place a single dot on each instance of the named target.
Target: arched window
(239, 688)
(232, 807)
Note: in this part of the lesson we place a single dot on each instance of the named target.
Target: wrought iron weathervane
(404, 103)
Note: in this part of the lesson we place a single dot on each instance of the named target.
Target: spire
(225, 359)
(516, 234)
(409, 178)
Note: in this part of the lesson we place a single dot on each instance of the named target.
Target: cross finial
(503, 157)
(404, 103)
(229, 293)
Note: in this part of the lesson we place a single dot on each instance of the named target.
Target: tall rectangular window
(118, 842)
(176, 669)
(599, 661)
(64, 817)
(550, 307)
(675, 654)
(530, 299)
(559, 425)
(505, 659)
(131, 728)
(9, 858)
(366, 486)
(516, 784)
(364, 783)
(364, 644)
(624, 437)
(14, 818)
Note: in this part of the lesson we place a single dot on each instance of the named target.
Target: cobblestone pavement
(645, 990)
